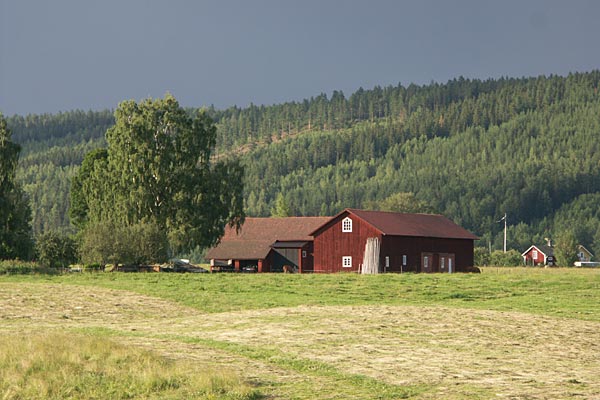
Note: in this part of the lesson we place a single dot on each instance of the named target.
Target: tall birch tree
(157, 169)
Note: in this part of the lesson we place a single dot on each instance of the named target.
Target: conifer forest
(471, 150)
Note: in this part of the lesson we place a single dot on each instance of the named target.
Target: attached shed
(408, 242)
(268, 244)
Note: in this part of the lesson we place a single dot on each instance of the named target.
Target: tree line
(469, 149)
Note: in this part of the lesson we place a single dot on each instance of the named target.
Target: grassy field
(505, 333)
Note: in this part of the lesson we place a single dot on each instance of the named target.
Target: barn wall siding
(413, 247)
(331, 244)
(308, 261)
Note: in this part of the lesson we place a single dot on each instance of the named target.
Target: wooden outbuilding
(539, 254)
(583, 254)
(268, 244)
(407, 242)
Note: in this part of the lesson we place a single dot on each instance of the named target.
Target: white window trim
(404, 259)
(534, 254)
(347, 262)
(347, 225)
(303, 253)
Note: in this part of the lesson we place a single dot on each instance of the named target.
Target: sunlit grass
(565, 292)
(74, 366)
(338, 336)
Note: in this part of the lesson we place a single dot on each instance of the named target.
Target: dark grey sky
(76, 54)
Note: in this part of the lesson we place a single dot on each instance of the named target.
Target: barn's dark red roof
(254, 240)
(404, 224)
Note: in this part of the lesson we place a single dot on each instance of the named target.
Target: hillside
(471, 149)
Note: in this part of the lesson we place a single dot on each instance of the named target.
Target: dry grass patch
(58, 365)
(456, 351)
(56, 304)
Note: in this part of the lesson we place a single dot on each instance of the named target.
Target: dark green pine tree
(15, 214)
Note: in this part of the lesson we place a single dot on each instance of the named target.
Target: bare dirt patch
(457, 352)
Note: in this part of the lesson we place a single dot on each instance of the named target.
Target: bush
(511, 258)
(481, 256)
(94, 267)
(19, 267)
(111, 243)
(56, 250)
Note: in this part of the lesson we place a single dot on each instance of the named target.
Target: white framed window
(347, 261)
(534, 254)
(404, 259)
(303, 253)
(347, 225)
(387, 261)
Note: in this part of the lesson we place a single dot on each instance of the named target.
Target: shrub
(511, 258)
(481, 256)
(111, 243)
(56, 250)
(94, 267)
(19, 267)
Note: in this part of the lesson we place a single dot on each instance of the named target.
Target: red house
(408, 242)
(267, 244)
(539, 255)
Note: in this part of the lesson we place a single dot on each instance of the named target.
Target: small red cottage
(539, 255)
(407, 242)
(267, 244)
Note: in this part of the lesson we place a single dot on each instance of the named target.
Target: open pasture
(506, 333)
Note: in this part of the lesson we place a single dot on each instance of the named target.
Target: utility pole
(504, 219)
(505, 232)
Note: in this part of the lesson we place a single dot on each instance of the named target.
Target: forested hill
(473, 150)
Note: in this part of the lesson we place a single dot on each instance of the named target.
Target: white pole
(505, 232)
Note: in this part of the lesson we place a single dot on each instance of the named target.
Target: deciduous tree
(157, 169)
(402, 202)
(566, 248)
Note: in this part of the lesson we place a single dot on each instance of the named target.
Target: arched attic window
(347, 225)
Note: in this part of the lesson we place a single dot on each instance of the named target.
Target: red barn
(267, 244)
(408, 242)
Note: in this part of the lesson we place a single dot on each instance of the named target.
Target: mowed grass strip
(355, 386)
(282, 375)
(566, 292)
(61, 365)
